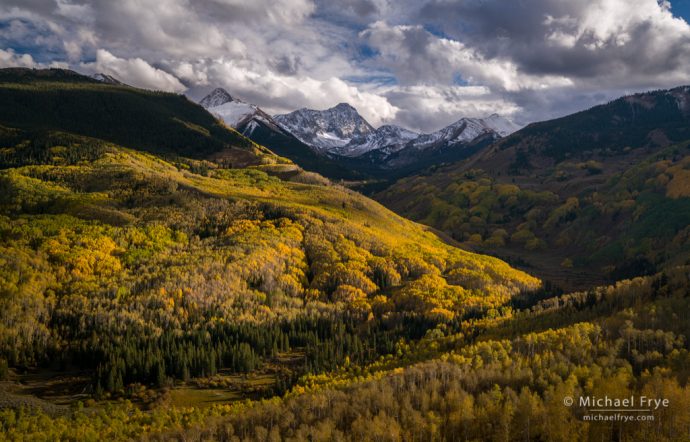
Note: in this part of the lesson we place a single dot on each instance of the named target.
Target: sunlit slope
(511, 381)
(147, 268)
(344, 238)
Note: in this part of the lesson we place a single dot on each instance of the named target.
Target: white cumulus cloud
(8, 58)
(134, 71)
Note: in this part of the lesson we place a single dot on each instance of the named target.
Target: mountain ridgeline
(600, 195)
(340, 143)
(641, 121)
(254, 123)
(157, 122)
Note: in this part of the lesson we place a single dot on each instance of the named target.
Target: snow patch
(234, 112)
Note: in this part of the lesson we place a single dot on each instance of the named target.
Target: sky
(422, 64)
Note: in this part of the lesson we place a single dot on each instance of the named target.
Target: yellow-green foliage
(507, 379)
(131, 242)
(678, 186)
(469, 206)
(623, 223)
(562, 212)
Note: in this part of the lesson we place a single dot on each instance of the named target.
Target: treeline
(44, 147)
(324, 343)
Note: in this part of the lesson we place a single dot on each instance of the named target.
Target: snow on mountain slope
(327, 131)
(105, 78)
(234, 112)
(244, 117)
(341, 131)
(386, 139)
(217, 97)
(464, 131)
(501, 125)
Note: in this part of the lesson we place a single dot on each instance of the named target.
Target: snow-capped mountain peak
(462, 131)
(341, 131)
(468, 129)
(217, 97)
(326, 130)
(233, 111)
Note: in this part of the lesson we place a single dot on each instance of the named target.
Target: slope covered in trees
(499, 378)
(602, 192)
(134, 277)
(129, 245)
(140, 254)
(41, 101)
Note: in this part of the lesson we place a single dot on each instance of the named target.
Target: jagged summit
(341, 133)
(467, 129)
(386, 139)
(328, 129)
(217, 97)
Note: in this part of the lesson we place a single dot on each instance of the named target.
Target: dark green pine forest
(164, 278)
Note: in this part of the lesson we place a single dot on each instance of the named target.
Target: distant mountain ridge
(340, 134)
(341, 131)
(329, 130)
(646, 120)
(252, 122)
(457, 139)
(387, 139)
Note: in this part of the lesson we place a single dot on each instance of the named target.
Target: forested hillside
(505, 378)
(493, 378)
(40, 101)
(156, 270)
(601, 193)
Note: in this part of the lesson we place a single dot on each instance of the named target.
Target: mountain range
(342, 135)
